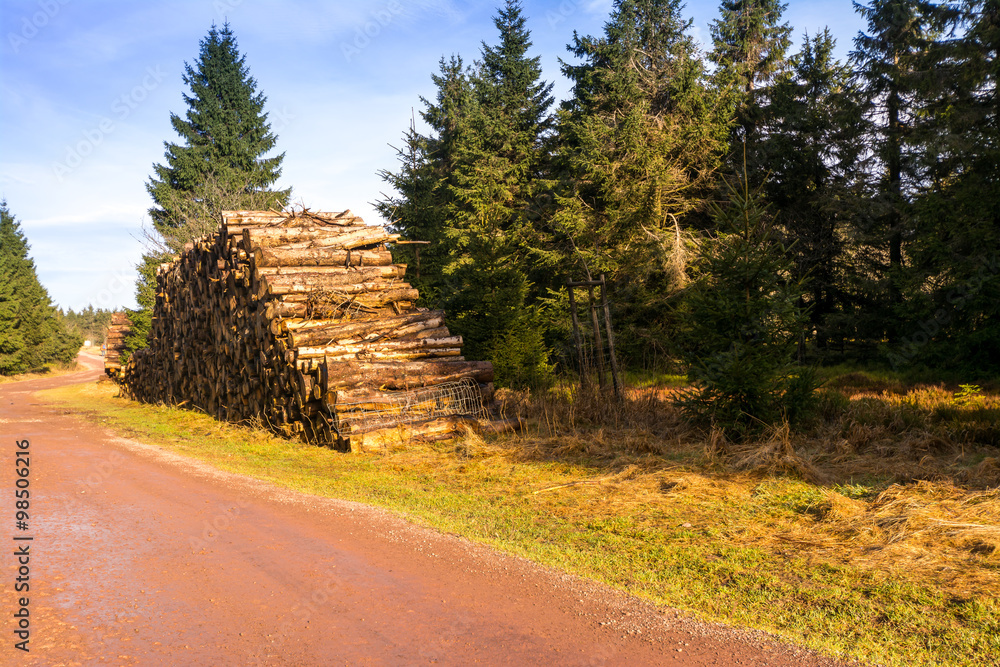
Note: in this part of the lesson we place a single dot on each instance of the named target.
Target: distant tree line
(877, 181)
(32, 331)
(89, 324)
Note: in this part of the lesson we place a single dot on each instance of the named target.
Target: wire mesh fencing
(390, 409)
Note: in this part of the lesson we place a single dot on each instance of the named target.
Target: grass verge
(870, 537)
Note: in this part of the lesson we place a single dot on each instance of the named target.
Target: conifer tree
(499, 169)
(954, 295)
(742, 321)
(469, 189)
(639, 144)
(222, 161)
(11, 271)
(427, 173)
(31, 335)
(750, 42)
(887, 61)
(749, 48)
(639, 140)
(813, 152)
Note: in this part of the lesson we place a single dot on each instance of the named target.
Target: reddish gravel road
(124, 571)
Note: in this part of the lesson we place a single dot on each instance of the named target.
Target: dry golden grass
(899, 481)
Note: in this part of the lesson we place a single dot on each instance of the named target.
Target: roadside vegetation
(872, 531)
(33, 333)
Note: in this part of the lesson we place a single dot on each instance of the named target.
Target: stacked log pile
(302, 321)
(114, 343)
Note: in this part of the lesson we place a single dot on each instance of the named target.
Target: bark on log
(331, 305)
(265, 237)
(451, 342)
(305, 332)
(392, 375)
(305, 283)
(321, 257)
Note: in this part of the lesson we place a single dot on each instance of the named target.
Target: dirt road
(140, 557)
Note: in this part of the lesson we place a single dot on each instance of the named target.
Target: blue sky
(87, 88)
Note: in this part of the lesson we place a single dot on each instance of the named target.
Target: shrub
(742, 319)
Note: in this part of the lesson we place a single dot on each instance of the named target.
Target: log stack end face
(301, 322)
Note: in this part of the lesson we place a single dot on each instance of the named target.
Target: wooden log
(333, 304)
(361, 326)
(384, 272)
(373, 347)
(405, 375)
(312, 332)
(307, 283)
(397, 355)
(233, 222)
(321, 257)
(363, 237)
(265, 237)
(414, 332)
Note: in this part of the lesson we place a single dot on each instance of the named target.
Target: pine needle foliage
(31, 332)
(222, 161)
(221, 165)
(742, 322)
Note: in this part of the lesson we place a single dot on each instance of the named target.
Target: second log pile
(301, 320)
(114, 343)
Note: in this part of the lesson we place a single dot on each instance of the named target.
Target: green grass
(762, 552)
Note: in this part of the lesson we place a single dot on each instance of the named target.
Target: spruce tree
(954, 294)
(470, 190)
(749, 48)
(813, 151)
(887, 60)
(141, 318)
(419, 211)
(31, 335)
(222, 161)
(499, 170)
(742, 321)
(639, 140)
(639, 144)
(12, 342)
(750, 42)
